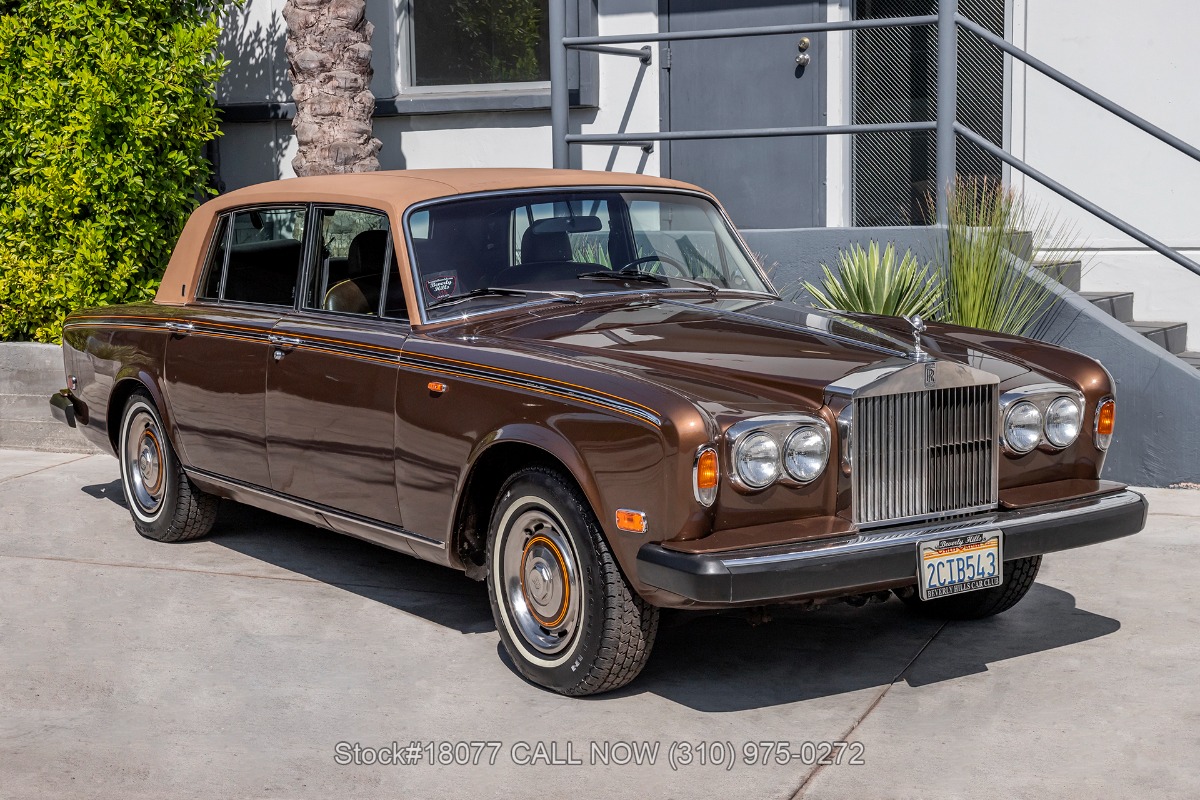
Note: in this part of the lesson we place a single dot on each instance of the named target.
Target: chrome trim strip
(416, 361)
(351, 520)
(864, 542)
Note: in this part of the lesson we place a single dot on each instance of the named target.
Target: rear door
(216, 362)
(331, 373)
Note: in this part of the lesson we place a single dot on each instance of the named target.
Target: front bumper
(880, 558)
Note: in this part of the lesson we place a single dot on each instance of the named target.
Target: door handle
(181, 328)
(286, 341)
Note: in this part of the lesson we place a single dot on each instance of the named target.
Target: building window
(470, 42)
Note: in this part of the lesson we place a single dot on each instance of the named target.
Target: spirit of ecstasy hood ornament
(918, 326)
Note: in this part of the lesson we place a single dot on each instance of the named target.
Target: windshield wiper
(646, 277)
(500, 291)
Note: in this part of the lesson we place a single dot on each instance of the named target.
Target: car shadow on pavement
(107, 491)
(439, 594)
(723, 663)
(709, 662)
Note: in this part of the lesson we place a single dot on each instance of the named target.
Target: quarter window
(211, 288)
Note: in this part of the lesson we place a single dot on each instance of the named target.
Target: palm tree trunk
(329, 65)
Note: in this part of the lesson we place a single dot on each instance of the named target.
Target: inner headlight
(805, 454)
(1064, 418)
(1023, 427)
(756, 459)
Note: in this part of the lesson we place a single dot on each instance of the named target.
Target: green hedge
(105, 108)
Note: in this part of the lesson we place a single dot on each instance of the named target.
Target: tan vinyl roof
(390, 191)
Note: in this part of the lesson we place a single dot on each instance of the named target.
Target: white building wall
(254, 152)
(1143, 56)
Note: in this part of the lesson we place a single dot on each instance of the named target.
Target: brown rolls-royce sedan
(581, 389)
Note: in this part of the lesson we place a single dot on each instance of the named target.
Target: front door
(331, 374)
(748, 82)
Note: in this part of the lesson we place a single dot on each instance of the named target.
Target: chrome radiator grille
(924, 454)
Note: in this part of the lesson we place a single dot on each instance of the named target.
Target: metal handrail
(1077, 199)
(746, 133)
(1079, 88)
(762, 30)
(946, 126)
(559, 103)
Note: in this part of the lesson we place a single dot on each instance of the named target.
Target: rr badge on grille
(930, 376)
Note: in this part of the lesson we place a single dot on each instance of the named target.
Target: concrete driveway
(234, 667)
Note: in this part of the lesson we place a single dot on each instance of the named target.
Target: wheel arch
(492, 462)
(126, 385)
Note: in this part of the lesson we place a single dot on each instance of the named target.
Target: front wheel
(565, 613)
(1019, 575)
(164, 504)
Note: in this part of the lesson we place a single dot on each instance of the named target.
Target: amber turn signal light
(1106, 418)
(705, 476)
(631, 521)
(437, 387)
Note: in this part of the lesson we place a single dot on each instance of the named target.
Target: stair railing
(946, 126)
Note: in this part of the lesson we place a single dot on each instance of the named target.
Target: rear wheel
(1019, 576)
(565, 613)
(164, 504)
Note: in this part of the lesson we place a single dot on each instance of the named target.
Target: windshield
(561, 244)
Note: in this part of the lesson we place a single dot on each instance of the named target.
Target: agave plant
(985, 285)
(873, 282)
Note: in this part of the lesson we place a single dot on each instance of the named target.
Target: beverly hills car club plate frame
(957, 564)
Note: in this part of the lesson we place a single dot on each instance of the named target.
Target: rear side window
(262, 258)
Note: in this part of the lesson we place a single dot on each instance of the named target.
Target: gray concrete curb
(29, 374)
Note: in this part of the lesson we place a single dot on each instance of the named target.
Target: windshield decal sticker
(441, 284)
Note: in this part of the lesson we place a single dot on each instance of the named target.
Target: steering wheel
(683, 271)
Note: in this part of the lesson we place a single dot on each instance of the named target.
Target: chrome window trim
(416, 208)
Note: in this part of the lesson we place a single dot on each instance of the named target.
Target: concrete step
(49, 436)
(1191, 357)
(26, 423)
(1171, 336)
(1068, 273)
(1118, 305)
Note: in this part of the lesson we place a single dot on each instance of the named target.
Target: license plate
(957, 564)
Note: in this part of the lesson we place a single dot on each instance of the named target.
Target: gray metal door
(748, 82)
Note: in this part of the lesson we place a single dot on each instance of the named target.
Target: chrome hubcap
(541, 581)
(143, 454)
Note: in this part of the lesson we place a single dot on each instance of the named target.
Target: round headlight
(1023, 427)
(756, 460)
(1064, 418)
(805, 453)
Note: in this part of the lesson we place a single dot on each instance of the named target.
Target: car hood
(732, 354)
